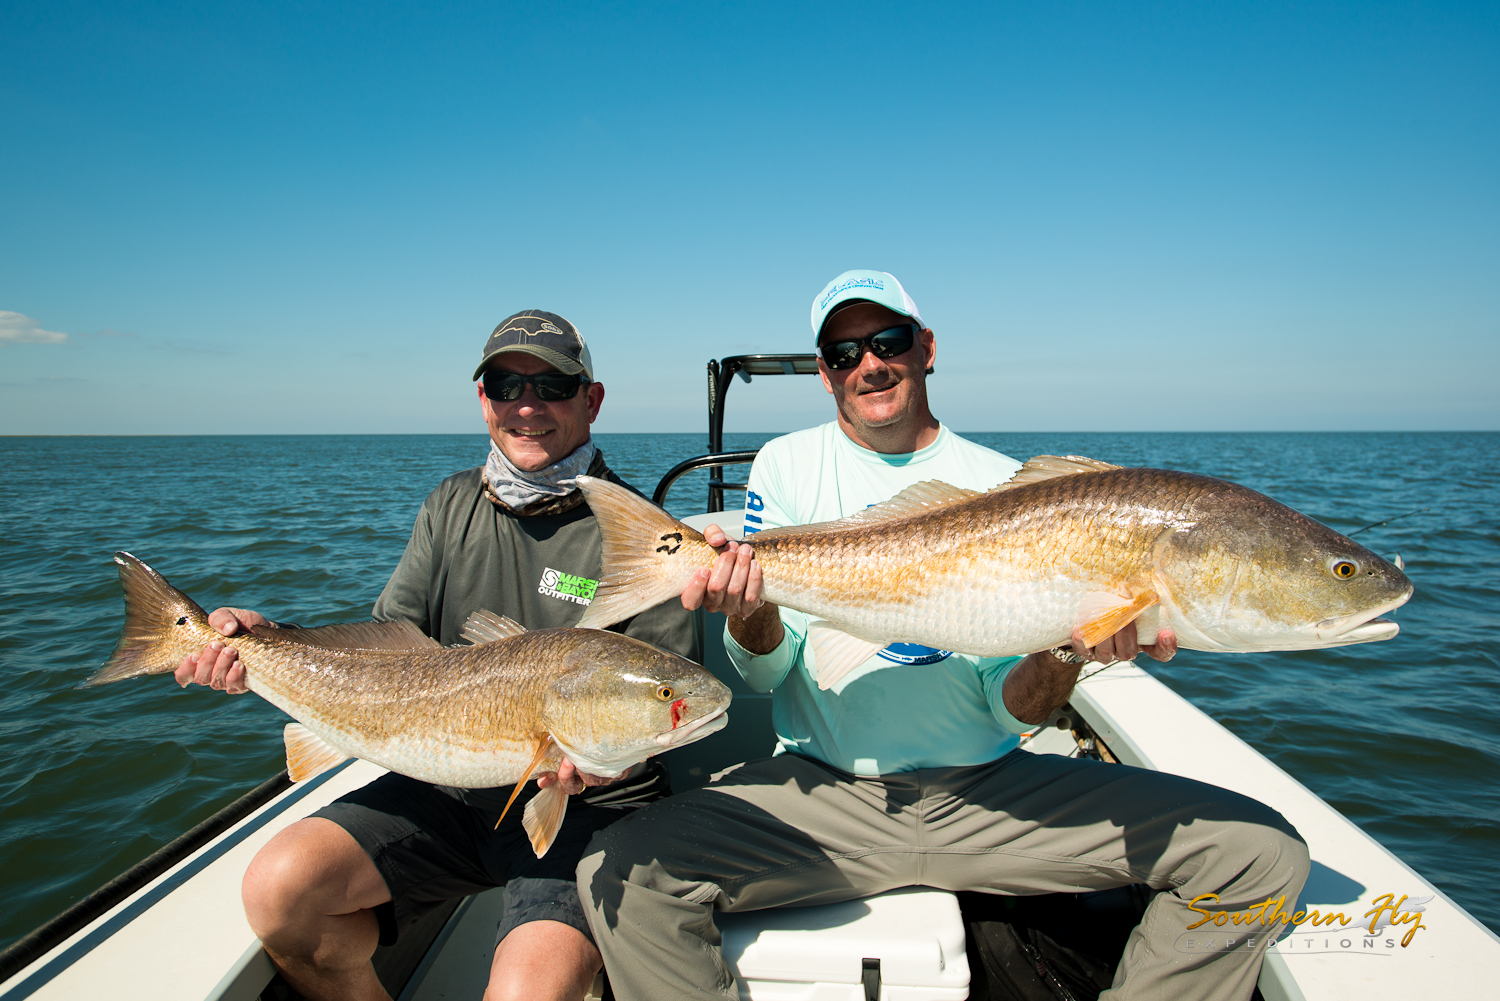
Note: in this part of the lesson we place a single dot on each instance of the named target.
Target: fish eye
(1343, 569)
(664, 692)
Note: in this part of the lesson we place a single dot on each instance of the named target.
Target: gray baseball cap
(543, 335)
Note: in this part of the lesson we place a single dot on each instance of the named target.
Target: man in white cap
(512, 537)
(909, 773)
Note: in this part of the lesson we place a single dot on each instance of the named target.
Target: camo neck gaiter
(549, 490)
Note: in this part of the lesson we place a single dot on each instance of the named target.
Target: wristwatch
(1067, 656)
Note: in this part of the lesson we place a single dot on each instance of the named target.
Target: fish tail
(649, 556)
(154, 612)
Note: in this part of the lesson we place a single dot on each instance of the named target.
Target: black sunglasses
(839, 355)
(550, 387)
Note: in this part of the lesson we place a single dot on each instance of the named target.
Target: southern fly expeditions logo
(556, 584)
(1389, 923)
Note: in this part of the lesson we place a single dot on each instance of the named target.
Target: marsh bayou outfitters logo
(556, 584)
(1312, 930)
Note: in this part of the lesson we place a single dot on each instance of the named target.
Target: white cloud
(18, 329)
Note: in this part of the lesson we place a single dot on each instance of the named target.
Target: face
(877, 392)
(535, 433)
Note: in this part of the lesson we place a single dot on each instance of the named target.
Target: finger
(718, 582)
(227, 658)
(693, 594)
(566, 770)
(1165, 647)
(754, 585)
(1126, 646)
(184, 673)
(225, 620)
(546, 779)
(234, 681)
(203, 667)
(714, 536)
(1080, 647)
(740, 576)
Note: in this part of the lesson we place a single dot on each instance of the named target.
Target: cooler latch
(871, 978)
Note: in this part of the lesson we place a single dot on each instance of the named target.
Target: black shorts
(429, 846)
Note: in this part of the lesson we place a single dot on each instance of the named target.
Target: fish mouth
(689, 732)
(1362, 627)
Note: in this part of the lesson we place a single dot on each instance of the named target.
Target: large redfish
(475, 717)
(1067, 543)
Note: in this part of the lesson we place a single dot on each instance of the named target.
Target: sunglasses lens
(842, 354)
(503, 386)
(556, 387)
(890, 343)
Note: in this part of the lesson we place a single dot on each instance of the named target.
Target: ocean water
(1402, 737)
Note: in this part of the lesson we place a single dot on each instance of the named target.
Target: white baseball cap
(862, 286)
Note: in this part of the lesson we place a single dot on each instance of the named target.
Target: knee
(1270, 857)
(294, 874)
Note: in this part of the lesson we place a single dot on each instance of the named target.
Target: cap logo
(851, 283)
(551, 328)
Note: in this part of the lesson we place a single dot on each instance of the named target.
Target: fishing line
(1386, 522)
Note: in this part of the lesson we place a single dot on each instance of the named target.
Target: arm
(1040, 684)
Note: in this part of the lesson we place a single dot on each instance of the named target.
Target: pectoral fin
(307, 754)
(1103, 614)
(543, 747)
(544, 816)
(836, 652)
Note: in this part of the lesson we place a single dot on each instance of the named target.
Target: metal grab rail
(716, 485)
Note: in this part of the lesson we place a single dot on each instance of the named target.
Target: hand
(1124, 645)
(574, 781)
(732, 585)
(219, 666)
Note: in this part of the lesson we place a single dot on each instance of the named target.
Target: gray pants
(792, 831)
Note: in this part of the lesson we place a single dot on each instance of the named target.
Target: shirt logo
(556, 584)
(912, 653)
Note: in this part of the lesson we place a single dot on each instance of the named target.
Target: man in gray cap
(512, 536)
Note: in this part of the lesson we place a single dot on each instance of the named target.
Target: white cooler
(906, 945)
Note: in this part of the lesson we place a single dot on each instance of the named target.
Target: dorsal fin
(398, 634)
(486, 627)
(1047, 467)
(919, 498)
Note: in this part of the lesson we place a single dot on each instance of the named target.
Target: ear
(595, 400)
(929, 346)
(823, 374)
(484, 401)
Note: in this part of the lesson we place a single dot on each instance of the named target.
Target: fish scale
(1067, 544)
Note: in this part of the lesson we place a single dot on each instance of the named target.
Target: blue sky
(278, 218)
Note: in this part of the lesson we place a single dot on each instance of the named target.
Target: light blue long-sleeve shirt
(908, 706)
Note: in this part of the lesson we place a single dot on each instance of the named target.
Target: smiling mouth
(526, 433)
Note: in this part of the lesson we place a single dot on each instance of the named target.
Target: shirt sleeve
(406, 593)
(992, 674)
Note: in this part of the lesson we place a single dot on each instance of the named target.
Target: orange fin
(544, 816)
(1104, 615)
(307, 754)
(542, 747)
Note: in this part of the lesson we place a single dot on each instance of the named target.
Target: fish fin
(837, 652)
(919, 498)
(543, 745)
(398, 634)
(486, 627)
(1103, 614)
(1048, 467)
(153, 609)
(649, 556)
(544, 816)
(307, 754)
